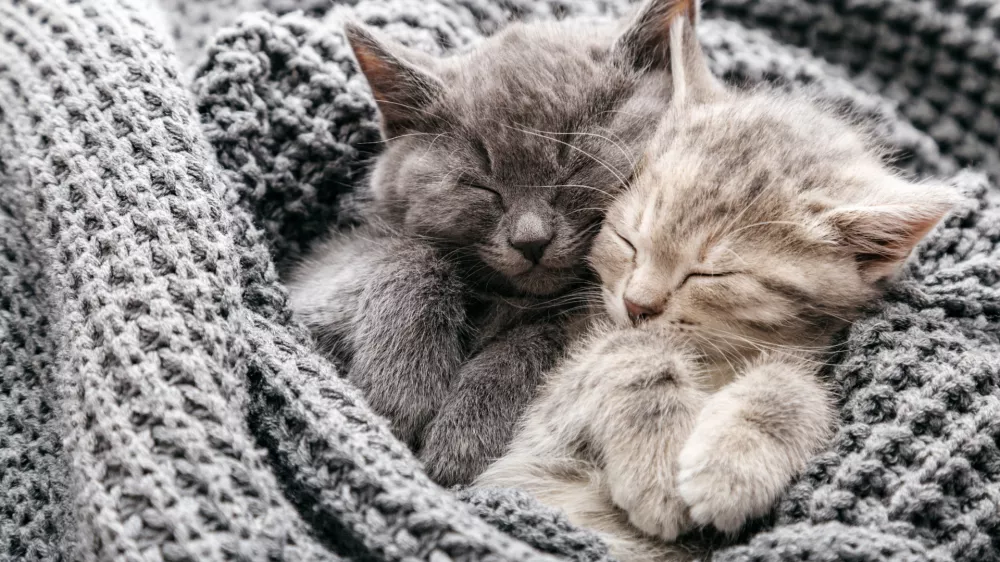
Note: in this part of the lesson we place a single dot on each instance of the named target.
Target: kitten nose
(531, 235)
(533, 249)
(638, 312)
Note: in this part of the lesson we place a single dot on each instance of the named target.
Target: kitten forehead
(543, 102)
(539, 53)
(546, 78)
(759, 150)
(755, 166)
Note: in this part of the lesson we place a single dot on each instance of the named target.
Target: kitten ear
(401, 79)
(662, 36)
(883, 233)
(645, 42)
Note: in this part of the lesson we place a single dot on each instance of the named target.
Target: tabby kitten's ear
(662, 36)
(882, 232)
(403, 80)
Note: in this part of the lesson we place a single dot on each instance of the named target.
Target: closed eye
(484, 188)
(625, 240)
(496, 194)
(708, 275)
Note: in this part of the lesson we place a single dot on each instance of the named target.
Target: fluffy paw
(453, 453)
(407, 409)
(727, 479)
(645, 487)
(659, 513)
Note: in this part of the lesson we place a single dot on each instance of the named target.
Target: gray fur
(758, 227)
(487, 398)
(497, 168)
(378, 304)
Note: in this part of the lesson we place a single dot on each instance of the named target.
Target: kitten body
(757, 228)
(449, 304)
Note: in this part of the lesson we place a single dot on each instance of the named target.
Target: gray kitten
(451, 302)
(758, 226)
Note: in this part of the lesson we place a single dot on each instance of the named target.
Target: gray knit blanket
(159, 162)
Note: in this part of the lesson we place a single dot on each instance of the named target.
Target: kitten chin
(539, 281)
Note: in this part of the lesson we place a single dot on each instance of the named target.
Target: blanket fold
(158, 402)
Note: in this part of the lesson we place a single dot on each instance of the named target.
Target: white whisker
(621, 179)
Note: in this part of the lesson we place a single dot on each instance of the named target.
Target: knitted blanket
(159, 162)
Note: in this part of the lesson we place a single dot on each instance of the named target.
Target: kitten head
(758, 221)
(510, 153)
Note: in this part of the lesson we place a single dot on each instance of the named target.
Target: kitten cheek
(695, 310)
(503, 259)
(602, 271)
(615, 307)
(608, 262)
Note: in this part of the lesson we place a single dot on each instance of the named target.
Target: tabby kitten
(758, 226)
(498, 166)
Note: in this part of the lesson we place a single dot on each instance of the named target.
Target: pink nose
(639, 312)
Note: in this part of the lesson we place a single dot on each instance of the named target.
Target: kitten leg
(394, 311)
(752, 438)
(567, 444)
(493, 388)
(647, 398)
(601, 441)
(577, 487)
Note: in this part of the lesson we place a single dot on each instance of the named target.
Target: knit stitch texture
(160, 161)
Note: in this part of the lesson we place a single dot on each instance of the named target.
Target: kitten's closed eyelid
(482, 187)
(708, 275)
(625, 240)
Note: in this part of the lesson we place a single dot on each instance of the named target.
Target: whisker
(410, 107)
(730, 223)
(749, 339)
(716, 347)
(590, 187)
(799, 353)
(390, 139)
(606, 166)
(629, 113)
(427, 150)
(762, 223)
(602, 137)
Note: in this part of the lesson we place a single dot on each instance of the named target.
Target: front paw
(727, 478)
(407, 410)
(655, 510)
(454, 453)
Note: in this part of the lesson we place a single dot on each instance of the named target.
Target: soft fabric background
(157, 402)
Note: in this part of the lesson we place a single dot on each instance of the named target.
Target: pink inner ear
(888, 233)
(918, 227)
(400, 90)
(374, 67)
(383, 78)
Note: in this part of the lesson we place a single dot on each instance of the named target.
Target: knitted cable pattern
(158, 402)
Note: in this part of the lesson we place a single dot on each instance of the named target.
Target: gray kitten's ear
(883, 233)
(662, 36)
(645, 42)
(402, 80)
